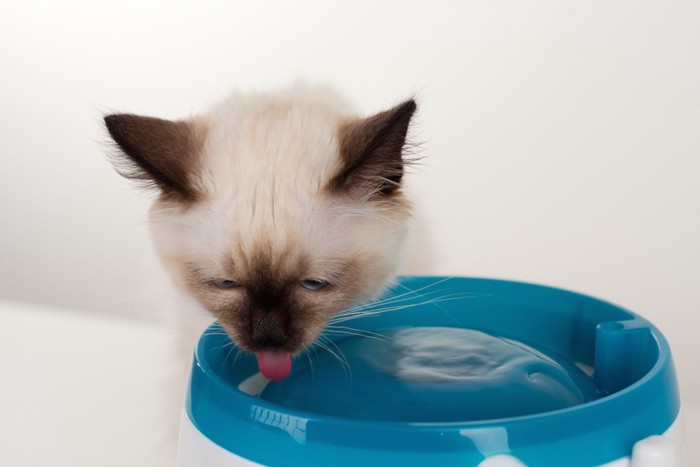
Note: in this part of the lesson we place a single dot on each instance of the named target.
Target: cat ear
(160, 152)
(371, 153)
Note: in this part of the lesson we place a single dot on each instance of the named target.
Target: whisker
(307, 352)
(233, 347)
(342, 360)
(400, 297)
(374, 335)
(361, 314)
(220, 348)
(373, 305)
(214, 333)
(348, 331)
(235, 359)
(398, 305)
(342, 357)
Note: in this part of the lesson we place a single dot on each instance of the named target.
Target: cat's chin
(274, 365)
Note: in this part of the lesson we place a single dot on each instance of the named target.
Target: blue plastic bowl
(608, 382)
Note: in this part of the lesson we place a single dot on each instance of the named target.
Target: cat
(275, 211)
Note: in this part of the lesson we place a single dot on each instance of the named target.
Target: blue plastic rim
(630, 358)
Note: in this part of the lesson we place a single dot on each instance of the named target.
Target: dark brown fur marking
(161, 152)
(371, 151)
(271, 301)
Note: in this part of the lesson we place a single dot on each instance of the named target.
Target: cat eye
(224, 283)
(313, 284)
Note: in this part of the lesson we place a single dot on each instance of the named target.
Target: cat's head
(276, 212)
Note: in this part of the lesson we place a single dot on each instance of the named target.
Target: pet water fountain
(451, 372)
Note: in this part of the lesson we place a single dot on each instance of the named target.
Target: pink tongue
(274, 365)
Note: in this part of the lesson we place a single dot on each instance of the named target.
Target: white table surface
(80, 390)
(86, 391)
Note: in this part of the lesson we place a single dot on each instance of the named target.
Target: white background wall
(562, 138)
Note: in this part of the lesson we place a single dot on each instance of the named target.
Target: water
(431, 374)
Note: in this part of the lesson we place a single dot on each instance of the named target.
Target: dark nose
(268, 329)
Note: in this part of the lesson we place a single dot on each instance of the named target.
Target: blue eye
(224, 283)
(313, 284)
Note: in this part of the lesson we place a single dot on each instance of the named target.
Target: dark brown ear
(162, 153)
(371, 151)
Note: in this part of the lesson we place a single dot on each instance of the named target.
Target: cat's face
(275, 212)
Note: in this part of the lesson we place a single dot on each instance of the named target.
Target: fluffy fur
(265, 191)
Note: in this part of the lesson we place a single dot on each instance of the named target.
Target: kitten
(274, 211)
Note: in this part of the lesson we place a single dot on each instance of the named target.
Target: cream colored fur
(267, 193)
(265, 163)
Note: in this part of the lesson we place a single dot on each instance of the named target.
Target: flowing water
(431, 374)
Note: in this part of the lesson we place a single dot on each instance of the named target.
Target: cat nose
(268, 330)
